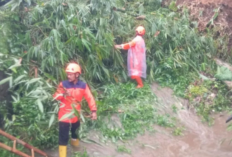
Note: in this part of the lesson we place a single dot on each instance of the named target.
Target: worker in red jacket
(70, 94)
(136, 57)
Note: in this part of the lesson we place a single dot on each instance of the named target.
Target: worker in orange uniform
(136, 57)
(70, 94)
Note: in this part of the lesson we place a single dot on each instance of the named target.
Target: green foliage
(10, 143)
(208, 97)
(172, 6)
(28, 110)
(80, 154)
(223, 74)
(124, 112)
(216, 12)
(123, 149)
(197, 90)
(178, 131)
(174, 109)
(39, 37)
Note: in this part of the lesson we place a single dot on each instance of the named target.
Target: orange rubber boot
(75, 142)
(139, 81)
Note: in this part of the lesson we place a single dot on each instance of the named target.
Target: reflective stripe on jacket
(77, 92)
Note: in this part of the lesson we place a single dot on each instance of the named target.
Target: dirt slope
(223, 2)
(204, 10)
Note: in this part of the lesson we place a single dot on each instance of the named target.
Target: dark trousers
(64, 129)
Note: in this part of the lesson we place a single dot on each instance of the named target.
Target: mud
(198, 139)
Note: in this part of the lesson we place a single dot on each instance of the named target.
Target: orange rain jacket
(136, 57)
(77, 92)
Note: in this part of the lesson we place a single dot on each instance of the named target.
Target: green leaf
(86, 44)
(68, 115)
(77, 113)
(52, 118)
(19, 78)
(40, 105)
(223, 73)
(32, 81)
(82, 117)
(50, 76)
(8, 79)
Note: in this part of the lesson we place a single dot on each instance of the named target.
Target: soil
(224, 2)
(203, 11)
(197, 140)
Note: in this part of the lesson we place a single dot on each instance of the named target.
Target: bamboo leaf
(52, 118)
(40, 105)
(19, 78)
(5, 80)
(68, 115)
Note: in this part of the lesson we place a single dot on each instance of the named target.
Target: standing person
(70, 93)
(136, 57)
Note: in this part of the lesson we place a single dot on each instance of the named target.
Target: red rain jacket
(77, 91)
(136, 57)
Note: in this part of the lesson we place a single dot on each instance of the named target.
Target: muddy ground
(197, 140)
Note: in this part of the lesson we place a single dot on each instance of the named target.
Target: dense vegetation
(39, 37)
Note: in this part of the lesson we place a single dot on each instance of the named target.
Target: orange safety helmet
(73, 68)
(140, 30)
